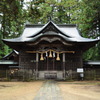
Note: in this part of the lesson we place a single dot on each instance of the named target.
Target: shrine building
(50, 50)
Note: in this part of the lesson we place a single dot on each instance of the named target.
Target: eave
(40, 33)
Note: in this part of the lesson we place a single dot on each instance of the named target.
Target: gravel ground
(49, 91)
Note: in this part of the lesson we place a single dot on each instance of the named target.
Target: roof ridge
(46, 25)
(33, 25)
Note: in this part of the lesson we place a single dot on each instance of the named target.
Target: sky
(27, 0)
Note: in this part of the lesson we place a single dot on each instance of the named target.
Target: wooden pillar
(37, 60)
(64, 65)
(53, 64)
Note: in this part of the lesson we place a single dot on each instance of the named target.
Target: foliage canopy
(85, 13)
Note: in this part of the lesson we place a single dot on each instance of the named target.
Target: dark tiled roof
(10, 54)
(92, 62)
(69, 33)
(8, 62)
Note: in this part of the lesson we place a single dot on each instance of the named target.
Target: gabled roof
(65, 33)
(50, 26)
(14, 52)
(69, 33)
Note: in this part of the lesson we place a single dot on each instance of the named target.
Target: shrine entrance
(50, 66)
(50, 63)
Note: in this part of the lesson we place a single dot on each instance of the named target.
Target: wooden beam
(50, 50)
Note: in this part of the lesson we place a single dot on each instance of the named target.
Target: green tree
(84, 13)
(11, 19)
(63, 11)
(90, 25)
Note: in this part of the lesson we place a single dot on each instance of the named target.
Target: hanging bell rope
(53, 54)
(46, 54)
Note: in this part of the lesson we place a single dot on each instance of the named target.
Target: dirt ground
(69, 90)
(19, 90)
(80, 90)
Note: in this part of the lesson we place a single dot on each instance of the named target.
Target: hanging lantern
(41, 57)
(58, 58)
(50, 54)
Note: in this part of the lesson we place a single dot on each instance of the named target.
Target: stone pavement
(49, 91)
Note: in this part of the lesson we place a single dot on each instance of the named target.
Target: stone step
(50, 75)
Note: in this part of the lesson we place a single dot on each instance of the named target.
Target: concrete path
(49, 91)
